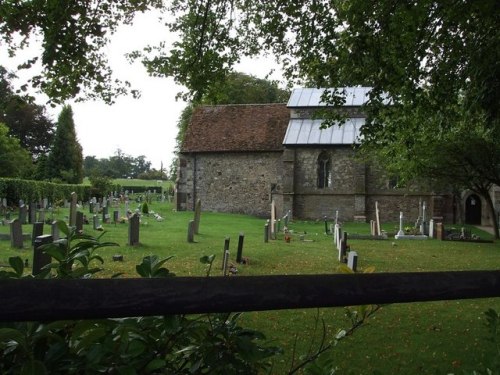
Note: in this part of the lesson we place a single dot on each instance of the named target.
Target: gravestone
(266, 232)
(439, 231)
(423, 224)
(32, 213)
(16, 234)
(79, 222)
(133, 230)
(240, 248)
(226, 250)
(431, 228)
(197, 215)
(105, 214)
(116, 216)
(55, 231)
(343, 248)
(273, 220)
(225, 262)
(352, 260)
(190, 232)
(72, 209)
(23, 212)
(401, 231)
(377, 216)
(37, 231)
(91, 207)
(95, 222)
(40, 258)
(45, 203)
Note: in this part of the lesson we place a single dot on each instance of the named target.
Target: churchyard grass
(417, 338)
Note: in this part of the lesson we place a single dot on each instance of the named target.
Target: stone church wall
(230, 182)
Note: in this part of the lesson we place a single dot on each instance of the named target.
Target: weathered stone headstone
(439, 231)
(240, 248)
(79, 222)
(431, 228)
(343, 248)
(423, 224)
(37, 231)
(273, 220)
(266, 232)
(72, 209)
(95, 222)
(352, 260)
(190, 232)
(16, 234)
(40, 258)
(105, 214)
(401, 231)
(133, 230)
(23, 212)
(41, 216)
(32, 213)
(197, 216)
(225, 262)
(97, 207)
(226, 250)
(116, 216)
(45, 203)
(55, 231)
(377, 216)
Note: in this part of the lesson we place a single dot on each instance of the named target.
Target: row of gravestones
(17, 237)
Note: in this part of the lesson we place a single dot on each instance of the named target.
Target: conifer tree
(65, 162)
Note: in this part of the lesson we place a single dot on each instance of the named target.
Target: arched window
(324, 174)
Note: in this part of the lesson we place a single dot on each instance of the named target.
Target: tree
(65, 160)
(26, 120)
(14, 160)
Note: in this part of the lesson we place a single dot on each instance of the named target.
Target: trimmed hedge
(34, 191)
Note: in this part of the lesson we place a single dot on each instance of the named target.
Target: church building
(239, 158)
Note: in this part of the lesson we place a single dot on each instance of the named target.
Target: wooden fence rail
(28, 299)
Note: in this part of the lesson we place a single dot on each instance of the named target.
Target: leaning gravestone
(16, 234)
(40, 258)
(197, 215)
(72, 209)
(133, 230)
(37, 231)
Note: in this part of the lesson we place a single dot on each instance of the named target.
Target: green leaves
(151, 267)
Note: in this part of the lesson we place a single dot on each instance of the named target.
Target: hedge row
(34, 191)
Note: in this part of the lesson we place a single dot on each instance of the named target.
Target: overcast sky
(145, 126)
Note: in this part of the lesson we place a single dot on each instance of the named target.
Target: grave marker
(55, 231)
(22, 214)
(116, 216)
(240, 248)
(72, 209)
(16, 234)
(226, 250)
(377, 216)
(37, 231)
(32, 213)
(105, 215)
(266, 232)
(40, 258)
(273, 220)
(352, 260)
(401, 230)
(431, 228)
(133, 230)
(95, 222)
(79, 222)
(225, 262)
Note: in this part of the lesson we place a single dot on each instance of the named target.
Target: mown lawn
(419, 338)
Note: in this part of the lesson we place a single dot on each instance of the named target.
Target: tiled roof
(255, 127)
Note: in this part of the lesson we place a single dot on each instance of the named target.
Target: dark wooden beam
(29, 299)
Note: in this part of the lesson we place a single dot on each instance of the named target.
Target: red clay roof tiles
(222, 128)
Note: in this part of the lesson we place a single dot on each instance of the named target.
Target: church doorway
(473, 210)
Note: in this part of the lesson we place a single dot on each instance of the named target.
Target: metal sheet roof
(309, 132)
(311, 97)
